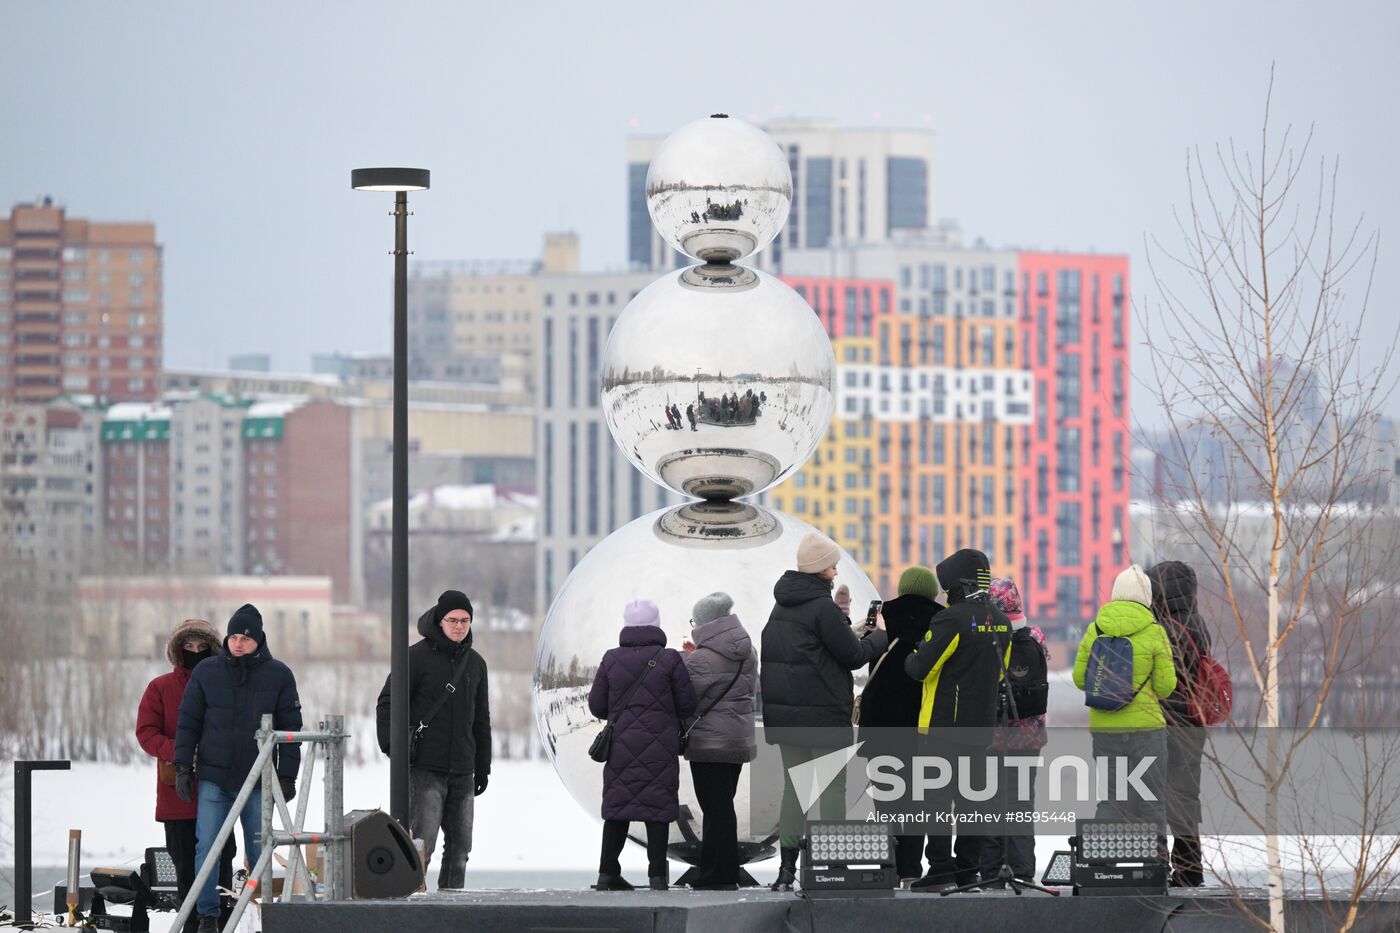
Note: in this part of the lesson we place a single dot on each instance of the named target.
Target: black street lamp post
(400, 181)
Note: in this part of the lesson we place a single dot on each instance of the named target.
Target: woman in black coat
(891, 699)
(642, 776)
(1174, 605)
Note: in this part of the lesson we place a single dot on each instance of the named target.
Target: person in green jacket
(1136, 733)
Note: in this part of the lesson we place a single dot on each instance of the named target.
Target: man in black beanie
(215, 743)
(450, 734)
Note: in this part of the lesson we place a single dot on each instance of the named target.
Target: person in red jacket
(156, 719)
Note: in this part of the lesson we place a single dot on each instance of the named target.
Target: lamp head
(389, 179)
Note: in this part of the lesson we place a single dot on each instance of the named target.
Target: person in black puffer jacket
(1174, 605)
(891, 698)
(452, 762)
(808, 653)
(216, 746)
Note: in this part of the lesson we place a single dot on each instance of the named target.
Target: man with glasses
(450, 733)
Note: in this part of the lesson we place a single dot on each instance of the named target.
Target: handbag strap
(876, 669)
(722, 694)
(651, 663)
(449, 689)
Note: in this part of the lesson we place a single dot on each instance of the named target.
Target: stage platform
(760, 911)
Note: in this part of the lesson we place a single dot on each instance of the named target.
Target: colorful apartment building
(981, 401)
(1074, 478)
(920, 457)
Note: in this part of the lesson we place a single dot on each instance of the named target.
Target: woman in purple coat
(642, 776)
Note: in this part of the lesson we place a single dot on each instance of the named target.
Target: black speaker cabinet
(383, 859)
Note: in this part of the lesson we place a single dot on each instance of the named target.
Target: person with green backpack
(1124, 666)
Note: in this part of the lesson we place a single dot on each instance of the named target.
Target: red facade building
(1074, 475)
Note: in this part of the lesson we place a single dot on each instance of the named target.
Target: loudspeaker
(383, 860)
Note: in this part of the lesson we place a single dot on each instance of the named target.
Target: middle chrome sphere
(717, 381)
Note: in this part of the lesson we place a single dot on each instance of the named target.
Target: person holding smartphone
(809, 650)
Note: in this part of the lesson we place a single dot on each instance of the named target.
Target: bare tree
(1270, 410)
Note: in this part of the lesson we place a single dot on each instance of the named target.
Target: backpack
(1108, 677)
(1212, 694)
(1027, 677)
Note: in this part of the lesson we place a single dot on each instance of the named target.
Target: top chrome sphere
(719, 189)
(717, 381)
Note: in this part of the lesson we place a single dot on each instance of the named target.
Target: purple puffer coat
(642, 776)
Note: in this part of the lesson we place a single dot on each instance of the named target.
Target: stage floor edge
(760, 911)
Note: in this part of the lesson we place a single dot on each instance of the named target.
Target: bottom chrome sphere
(672, 557)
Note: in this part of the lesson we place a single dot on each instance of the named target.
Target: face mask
(191, 658)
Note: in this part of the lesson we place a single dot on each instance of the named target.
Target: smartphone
(875, 606)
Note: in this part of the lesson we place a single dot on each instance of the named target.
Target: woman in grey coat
(724, 673)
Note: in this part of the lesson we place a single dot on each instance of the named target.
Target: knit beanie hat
(918, 581)
(816, 553)
(711, 607)
(641, 612)
(246, 620)
(450, 600)
(1133, 586)
(1006, 597)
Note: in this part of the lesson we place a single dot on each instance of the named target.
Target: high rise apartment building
(849, 185)
(203, 485)
(80, 307)
(930, 404)
(48, 515)
(299, 507)
(1075, 471)
(475, 321)
(988, 390)
(587, 487)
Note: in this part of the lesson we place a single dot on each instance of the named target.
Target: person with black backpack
(1174, 605)
(1124, 666)
(1020, 731)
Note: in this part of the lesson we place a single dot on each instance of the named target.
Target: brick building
(80, 307)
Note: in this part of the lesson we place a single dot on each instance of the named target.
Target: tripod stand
(1003, 876)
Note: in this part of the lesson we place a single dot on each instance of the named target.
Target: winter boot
(660, 882)
(612, 883)
(787, 870)
(208, 924)
(1187, 869)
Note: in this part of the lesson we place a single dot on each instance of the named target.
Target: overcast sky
(234, 126)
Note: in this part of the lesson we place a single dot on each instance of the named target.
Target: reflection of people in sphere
(642, 688)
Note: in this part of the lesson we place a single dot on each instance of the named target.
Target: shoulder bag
(602, 742)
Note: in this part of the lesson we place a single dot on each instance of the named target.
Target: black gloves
(481, 780)
(184, 782)
(289, 787)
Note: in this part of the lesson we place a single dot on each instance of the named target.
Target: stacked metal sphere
(745, 363)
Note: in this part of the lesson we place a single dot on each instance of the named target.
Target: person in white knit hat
(808, 653)
(1124, 666)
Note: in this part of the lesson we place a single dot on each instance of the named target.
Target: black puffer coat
(808, 653)
(1174, 605)
(458, 740)
(223, 707)
(891, 698)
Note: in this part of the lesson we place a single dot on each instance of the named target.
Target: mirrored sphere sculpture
(667, 557)
(717, 381)
(719, 189)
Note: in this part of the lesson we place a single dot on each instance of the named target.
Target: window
(1067, 388)
(1068, 467)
